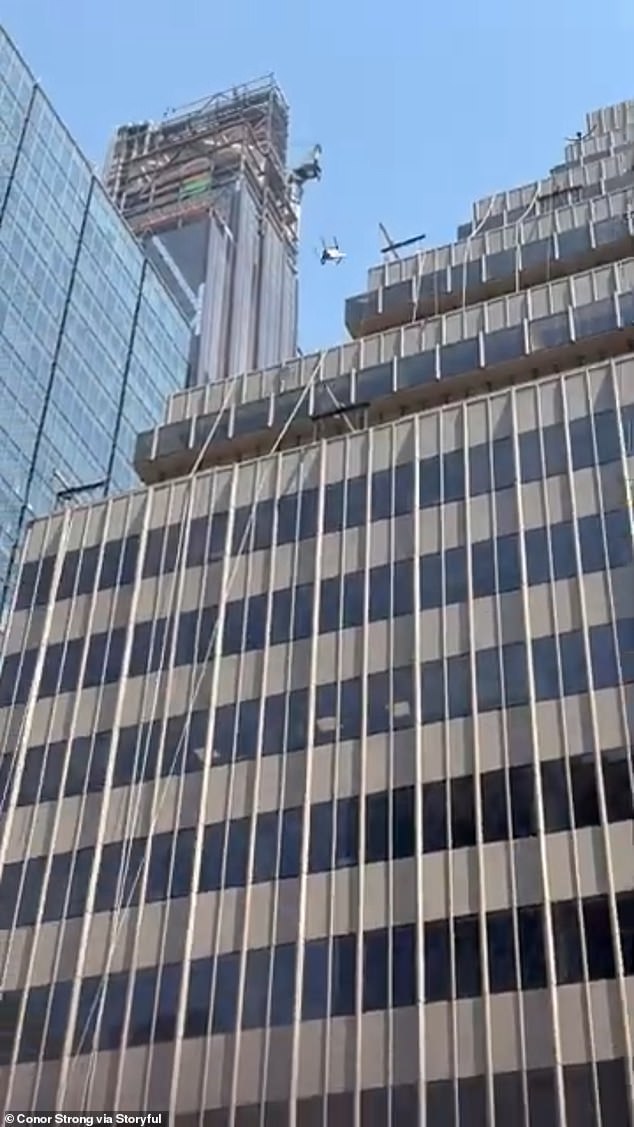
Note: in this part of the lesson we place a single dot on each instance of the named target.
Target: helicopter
(331, 253)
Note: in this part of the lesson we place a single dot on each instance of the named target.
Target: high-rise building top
(208, 193)
(90, 340)
(318, 769)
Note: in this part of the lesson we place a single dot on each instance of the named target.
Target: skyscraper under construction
(317, 771)
(208, 193)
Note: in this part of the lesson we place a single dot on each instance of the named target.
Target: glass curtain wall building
(91, 342)
(317, 769)
(207, 192)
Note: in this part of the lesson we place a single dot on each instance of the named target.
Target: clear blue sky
(420, 108)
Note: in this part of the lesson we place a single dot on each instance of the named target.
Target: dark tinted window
(226, 994)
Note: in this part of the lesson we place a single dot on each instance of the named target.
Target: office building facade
(207, 192)
(91, 342)
(317, 766)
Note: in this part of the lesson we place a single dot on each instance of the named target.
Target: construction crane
(392, 248)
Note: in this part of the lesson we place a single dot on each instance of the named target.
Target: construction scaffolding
(161, 174)
(208, 191)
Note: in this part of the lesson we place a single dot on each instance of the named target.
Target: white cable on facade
(470, 237)
(208, 440)
(170, 635)
(193, 695)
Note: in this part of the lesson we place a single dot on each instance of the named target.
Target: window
(247, 729)
(595, 318)
(87, 1014)
(504, 344)
(429, 481)
(432, 691)
(479, 470)
(403, 823)
(501, 952)
(113, 1011)
(573, 663)
(27, 583)
(343, 984)
(404, 977)
(613, 1091)
(376, 827)
(375, 382)
(537, 254)
(488, 679)
(545, 668)
(619, 538)
(434, 817)
(265, 855)
(117, 880)
(537, 556)
(198, 998)
(459, 685)
(283, 985)
(413, 371)
(31, 891)
(290, 860)
(531, 943)
(585, 799)
(256, 986)
(118, 563)
(453, 467)
(574, 242)
(33, 1024)
(150, 645)
(251, 417)
(581, 443)
(494, 806)
(467, 955)
(217, 536)
(320, 846)
(598, 936)
(353, 599)
(625, 915)
(437, 961)
(554, 449)
(223, 1018)
(375, 970)
(542, 1097)
(618, 771)
(211, 862)
(515, 672)
(503, 463)
(237, 853)
(315, 980)
(500, 265)
(430, 571)
(555, 795)
(579, 1090)
(567, 942)
(530, 456)
(456, 575)
(104, 658)
(459, 358)
(523, 811)
(508, 1097)
(142, 1008)
(508, 563)
(347, 832)
(563, 550)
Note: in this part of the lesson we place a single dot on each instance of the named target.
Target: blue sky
(420, 108)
